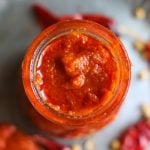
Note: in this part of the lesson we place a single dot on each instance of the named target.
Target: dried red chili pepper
(136, 137)
(46, 18)
(11, 139)
(49, 145)
(6, 131)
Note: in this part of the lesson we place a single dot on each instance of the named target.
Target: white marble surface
(18, 28)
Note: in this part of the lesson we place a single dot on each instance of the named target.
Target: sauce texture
(74, 73)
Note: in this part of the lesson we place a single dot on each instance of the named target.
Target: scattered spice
(144, 74)
(140, 13)
(76, 147)
(145, 109)
(139, 45)
(115, 145)
(143, 47)
(89, 144)
(142, 9)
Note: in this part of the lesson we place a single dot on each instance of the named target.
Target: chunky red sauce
(74, 73)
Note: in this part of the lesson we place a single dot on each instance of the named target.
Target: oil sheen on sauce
(74, 73)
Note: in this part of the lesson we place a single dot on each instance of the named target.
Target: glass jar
(76, 75)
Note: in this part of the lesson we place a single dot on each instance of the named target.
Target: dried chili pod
(46, 18)
(49, 144)
(13, 139)
(136, 137)
(6, 130)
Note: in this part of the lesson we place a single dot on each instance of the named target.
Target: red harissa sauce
(74, 73)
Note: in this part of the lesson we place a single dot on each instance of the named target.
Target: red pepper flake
(144, 75)
(146, 51)
(143, 48)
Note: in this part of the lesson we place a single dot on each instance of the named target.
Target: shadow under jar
(75, 75)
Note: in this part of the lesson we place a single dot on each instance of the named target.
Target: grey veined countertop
(18, 28)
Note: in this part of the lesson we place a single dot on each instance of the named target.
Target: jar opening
(74, 73)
